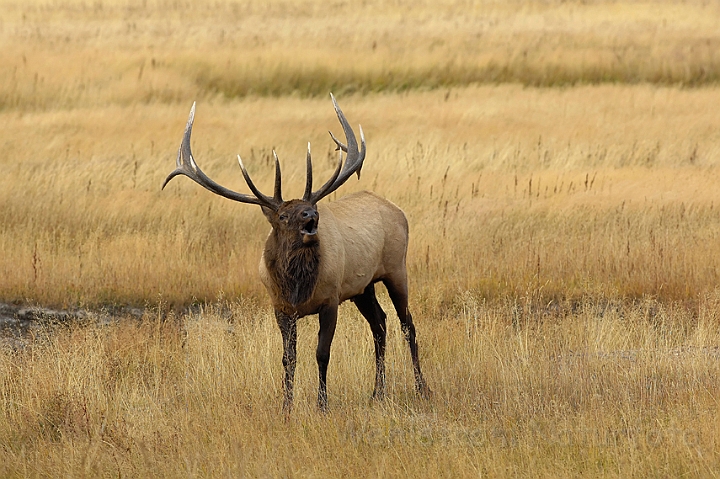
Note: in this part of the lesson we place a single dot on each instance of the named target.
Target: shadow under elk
(310, 266)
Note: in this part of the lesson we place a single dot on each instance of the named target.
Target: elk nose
(309, 214)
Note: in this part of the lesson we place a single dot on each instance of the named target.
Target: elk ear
(269, 214)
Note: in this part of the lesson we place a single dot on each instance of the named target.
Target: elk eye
(283, 217)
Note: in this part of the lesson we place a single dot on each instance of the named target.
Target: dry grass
(68, 53)
(564, 249)
(94, 97)
(559, 194)
(602, 391)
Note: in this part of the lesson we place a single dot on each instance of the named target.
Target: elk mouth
(309, 231)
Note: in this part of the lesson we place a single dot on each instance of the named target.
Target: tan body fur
(363, 239)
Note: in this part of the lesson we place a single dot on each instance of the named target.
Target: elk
(318, 255)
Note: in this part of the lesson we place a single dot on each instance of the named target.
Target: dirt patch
(17, 323)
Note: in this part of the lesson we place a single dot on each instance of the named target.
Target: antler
(186, 166)
(353, 161)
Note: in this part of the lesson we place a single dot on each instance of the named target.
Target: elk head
(297, 218)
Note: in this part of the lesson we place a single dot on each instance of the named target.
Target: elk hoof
(424, 391)
(322, 404)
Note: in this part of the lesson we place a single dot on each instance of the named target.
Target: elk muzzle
(308, 230)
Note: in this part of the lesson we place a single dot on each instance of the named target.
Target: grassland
(604, 391)
(605, 191)
(558, 164)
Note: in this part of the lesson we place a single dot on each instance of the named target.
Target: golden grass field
(558, 163)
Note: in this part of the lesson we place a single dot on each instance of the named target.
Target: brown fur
(293, 266)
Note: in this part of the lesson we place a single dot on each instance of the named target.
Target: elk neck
(293, 266)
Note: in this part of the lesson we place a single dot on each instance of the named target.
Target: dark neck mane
(294, 267)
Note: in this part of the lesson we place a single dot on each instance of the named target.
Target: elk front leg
(288, 329)
(328, 320)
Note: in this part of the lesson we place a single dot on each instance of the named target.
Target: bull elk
(310, 266)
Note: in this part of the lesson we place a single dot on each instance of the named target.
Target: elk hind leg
(398, 291)
(370, 309)
(328, 321)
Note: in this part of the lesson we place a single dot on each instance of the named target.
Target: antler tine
(185, 165)
(340, 144)
(278, 181)
(309, 180)
(353, 161)
(181, 165)
(362, 150)
(271, 203)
